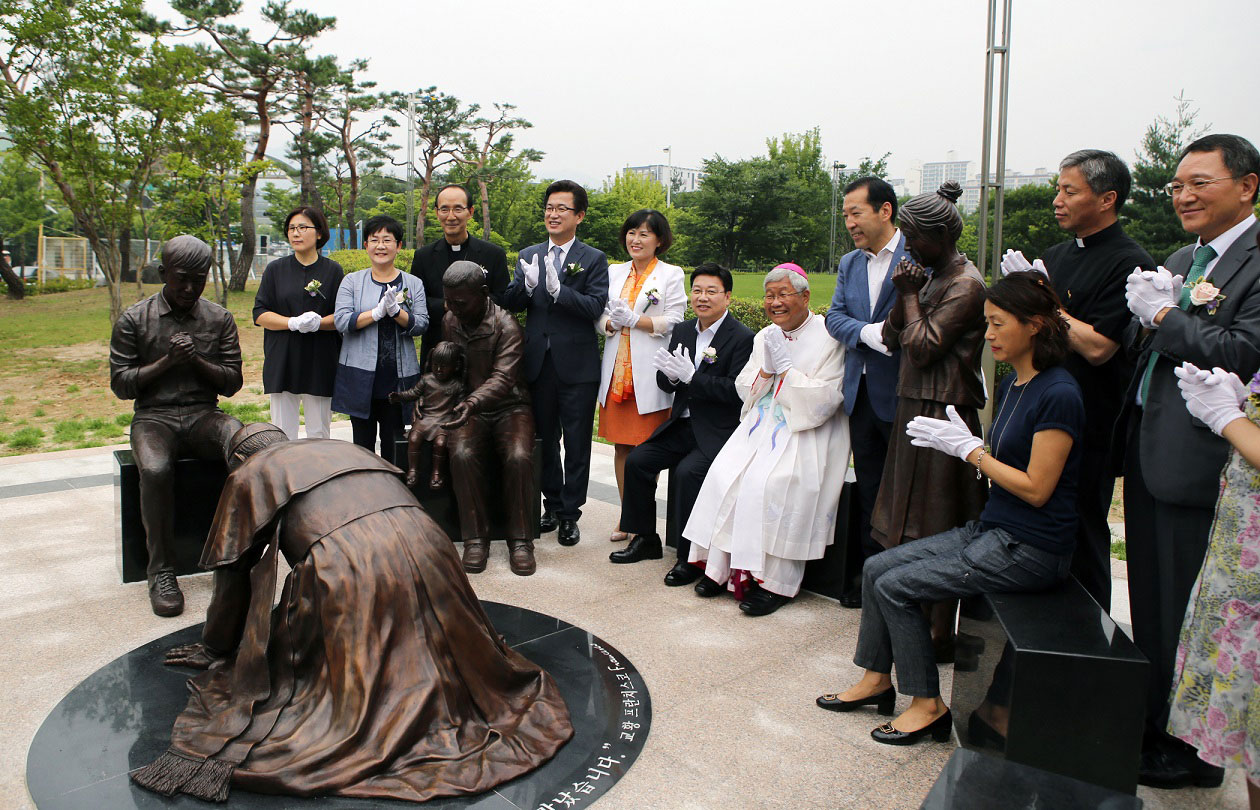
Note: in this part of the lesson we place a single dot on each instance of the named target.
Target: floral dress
(1216, 688)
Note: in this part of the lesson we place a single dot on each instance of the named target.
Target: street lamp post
(669, 176)
(836, 168)
(411, 167)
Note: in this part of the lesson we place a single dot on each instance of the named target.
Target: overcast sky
(610, 84)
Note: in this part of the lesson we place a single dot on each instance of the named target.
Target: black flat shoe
(762, 603)
(981, 734)
(642, 547)
(1169, 770)
(548, 522)
(851, 599)
(708, 588)
(883, 702)
(940, 729)
(683, 573)
(568, 533)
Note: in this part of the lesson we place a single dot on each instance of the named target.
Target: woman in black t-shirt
(294, 303)
(1023, 539)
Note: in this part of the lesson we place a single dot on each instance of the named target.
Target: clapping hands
(530, 271)
(1214, 397)
(677, 365)
(620, 315)
(1148, 292)
(1013, 261)
(306, 322)
(949, 435)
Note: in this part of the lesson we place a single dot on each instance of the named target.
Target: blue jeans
(960, 562)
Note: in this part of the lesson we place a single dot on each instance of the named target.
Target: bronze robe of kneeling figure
(378, 675)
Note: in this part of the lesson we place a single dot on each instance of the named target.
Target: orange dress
(619, 419)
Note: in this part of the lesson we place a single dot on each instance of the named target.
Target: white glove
(873, 335)
(553, 278)
(1150, 291)
(309, 322)
(1013, 261)
(295, 323)
(620, 315)
(530, 271)
(393, 305)
(682, 367)
(947, 435)
(382, 306)
(776, 352)
(663, 362)
(1212, 396)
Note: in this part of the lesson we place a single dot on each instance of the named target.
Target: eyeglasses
(1174, 188)
(301, 228)
(558, 209)
(377, 241)
(772, 298)
(447, 210)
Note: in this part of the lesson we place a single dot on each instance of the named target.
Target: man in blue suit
(863, 298)
(562, 284)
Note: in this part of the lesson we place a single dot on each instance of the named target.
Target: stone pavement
(734, 720)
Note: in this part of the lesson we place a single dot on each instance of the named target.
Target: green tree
(730, 216)
(442, 123)
(608, 208)
(486, 153)
(801, 230)
(1148, 216)
(21, 211)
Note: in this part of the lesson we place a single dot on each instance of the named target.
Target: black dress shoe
(940, 729)
(762, 602)
(883, 702)
(683, 573)
(642, 547)
(1171, 770)
(851, 599)
(708, 588)
(568, 534)
(548, 522)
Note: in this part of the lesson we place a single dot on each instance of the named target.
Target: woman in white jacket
(646, 297)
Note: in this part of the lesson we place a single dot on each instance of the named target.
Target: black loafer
(642, 547)
(708, 588)
(548, 522)
(762, 602)
(851, 599)
(940, 729)
(568, 534)
(883, 702)
(1169, 770)
(683, 573)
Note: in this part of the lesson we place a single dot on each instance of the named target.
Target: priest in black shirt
(1088, 273)
(454, 210)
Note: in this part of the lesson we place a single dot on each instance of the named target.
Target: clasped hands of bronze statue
(197, 656)
(183, 349)
(909, 276)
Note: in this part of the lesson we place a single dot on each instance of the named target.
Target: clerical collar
(804, 323)
(457, 248)
(1110, 232)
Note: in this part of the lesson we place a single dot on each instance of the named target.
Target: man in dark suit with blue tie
(704, 357)
(864, 296)
(1173, 462)
(562, 285)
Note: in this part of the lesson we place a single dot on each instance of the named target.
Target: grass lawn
(821, 287)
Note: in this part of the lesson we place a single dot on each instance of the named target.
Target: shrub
(68, 431)
(353, 260)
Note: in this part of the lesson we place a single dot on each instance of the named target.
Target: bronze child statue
(436, 394)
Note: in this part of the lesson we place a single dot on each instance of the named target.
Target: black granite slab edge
(972, 781)
(119, 718)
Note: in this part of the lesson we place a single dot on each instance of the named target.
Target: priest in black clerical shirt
(1088, 273)
(454, 209)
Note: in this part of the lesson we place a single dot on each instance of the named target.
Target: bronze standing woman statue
(938, 323)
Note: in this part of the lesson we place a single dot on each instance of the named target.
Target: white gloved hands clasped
(306, 322)
(553, 277)
(1150, 291)
(1215, 397)
(947, 435)
(393, 303)
(382, 307)
(530, 271)
(677, 365)
(1013, 261)
(873, 335)
(620, 315)
(776, 359)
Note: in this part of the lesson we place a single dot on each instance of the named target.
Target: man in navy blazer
(562, 285)
(704, 357)
(864, 296)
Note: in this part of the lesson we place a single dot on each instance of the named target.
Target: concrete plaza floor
(734, 723)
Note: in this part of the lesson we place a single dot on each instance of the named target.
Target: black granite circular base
(119, 719)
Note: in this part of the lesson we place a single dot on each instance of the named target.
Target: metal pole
(835, 178)
(411, 164)
(982, 247)
(1000, 179)
(669, 176)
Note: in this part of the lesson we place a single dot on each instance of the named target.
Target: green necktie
(1202, 256)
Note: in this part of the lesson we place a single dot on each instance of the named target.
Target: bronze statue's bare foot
(195, 655)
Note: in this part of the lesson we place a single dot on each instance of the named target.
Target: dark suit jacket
(567, 324)
(430, 263)
(711, 394)
(1181, 458)
(850, 310)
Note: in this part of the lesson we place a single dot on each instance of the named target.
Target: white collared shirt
(704, 339)
(564, 252)
(877, 265)
(1223, 242)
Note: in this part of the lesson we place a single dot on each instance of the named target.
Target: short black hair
(449, 352)
(579, 193)
(1103, 171)
(1238, 153)
(657, 224)
(467, 193)
(714, 269)
(317, 219)
(878, 192)
(1028, 297)
(382, 222)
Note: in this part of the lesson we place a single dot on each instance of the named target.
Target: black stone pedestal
(198, 484)
(972, 781)
(1074, 683)
(441, 504)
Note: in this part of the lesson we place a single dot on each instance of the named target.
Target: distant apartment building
(937, 173)
(684, 179)
(1010, 181)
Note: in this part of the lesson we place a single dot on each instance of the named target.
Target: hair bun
(950, 190)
